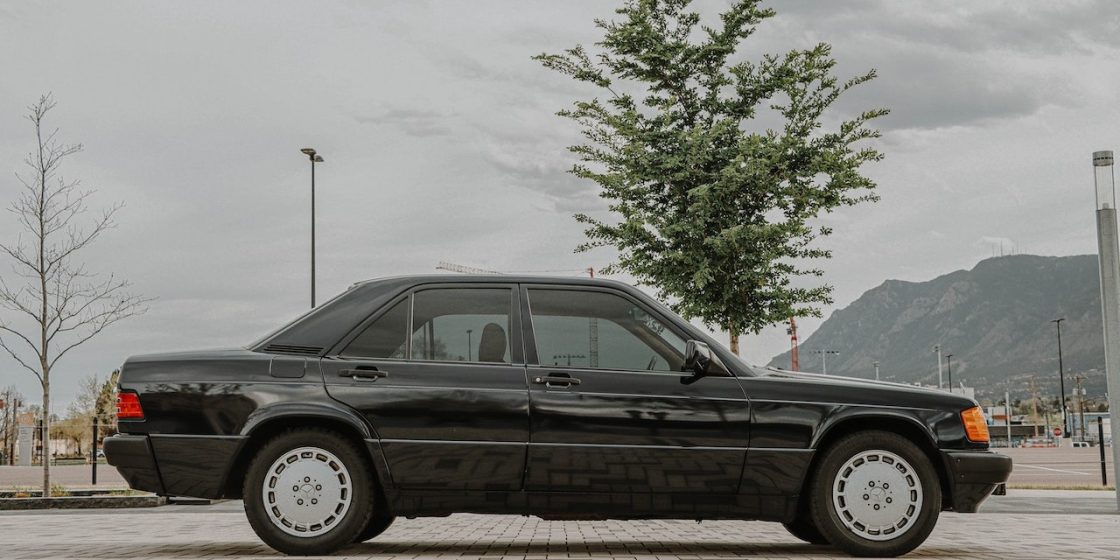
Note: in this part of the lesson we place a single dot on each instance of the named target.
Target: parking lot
(1058, 465)
(1006, 529)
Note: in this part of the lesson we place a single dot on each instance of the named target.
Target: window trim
(531, 335)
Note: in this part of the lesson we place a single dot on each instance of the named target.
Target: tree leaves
(714, 210)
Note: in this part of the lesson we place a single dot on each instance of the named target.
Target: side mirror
(697, 357)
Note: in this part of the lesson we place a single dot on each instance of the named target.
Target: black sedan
(561, 398)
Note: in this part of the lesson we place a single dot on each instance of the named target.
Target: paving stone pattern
(173, 532)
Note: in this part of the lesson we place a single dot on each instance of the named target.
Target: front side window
(598, 330)
(462, 325)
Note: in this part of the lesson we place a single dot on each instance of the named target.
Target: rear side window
(462, 325)
(385, 337)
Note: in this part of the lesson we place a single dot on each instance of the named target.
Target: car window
(462, 324)
(599, 330)
(385, 337)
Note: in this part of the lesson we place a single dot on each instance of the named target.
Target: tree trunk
(734, 334)
(46, 438)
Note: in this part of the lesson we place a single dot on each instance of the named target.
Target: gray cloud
(414, 122)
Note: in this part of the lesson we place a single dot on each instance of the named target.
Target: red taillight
(128, 407)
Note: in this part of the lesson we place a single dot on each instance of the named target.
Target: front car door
(611, 410)
(439, 374)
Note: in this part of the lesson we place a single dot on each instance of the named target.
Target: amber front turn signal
(975, 427)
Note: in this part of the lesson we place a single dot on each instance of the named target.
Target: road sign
(1057, 432)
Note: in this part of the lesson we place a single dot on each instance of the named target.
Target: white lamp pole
(1109, 257)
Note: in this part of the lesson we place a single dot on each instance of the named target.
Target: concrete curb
(82, 502)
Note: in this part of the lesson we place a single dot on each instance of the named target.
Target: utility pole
(794, 364)
(1080, 392)
(937, 348)
(824, 358)
(1034, 405)
(949, 363)
(1007, 409)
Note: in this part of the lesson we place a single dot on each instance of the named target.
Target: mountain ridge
(995, 319)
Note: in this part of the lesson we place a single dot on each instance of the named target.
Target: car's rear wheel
(308, 491)
(875, 494)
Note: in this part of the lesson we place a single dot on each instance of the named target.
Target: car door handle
(556, 381)
(363, 373)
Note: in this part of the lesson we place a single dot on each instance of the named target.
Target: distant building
(1091, 430)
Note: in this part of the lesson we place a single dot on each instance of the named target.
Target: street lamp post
(1109, 256)
(315, 158)
(949, 367)
(876, 371)
(1062, 378)
(937, 348)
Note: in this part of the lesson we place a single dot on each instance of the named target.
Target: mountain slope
(993, 319)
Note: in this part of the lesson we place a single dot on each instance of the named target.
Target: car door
(611, 411)
(440, 376)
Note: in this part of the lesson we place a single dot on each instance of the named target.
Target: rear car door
(439, 373)
(611, 410)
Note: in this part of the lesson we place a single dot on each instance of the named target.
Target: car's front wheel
(875, 493)
(804, 529)
(308, 491)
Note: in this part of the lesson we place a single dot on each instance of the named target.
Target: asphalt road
(1058, 465)
(70, 476)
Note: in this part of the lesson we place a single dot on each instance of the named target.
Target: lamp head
(308, 151)
(317, 158)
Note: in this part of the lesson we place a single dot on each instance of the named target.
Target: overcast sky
(441, 143)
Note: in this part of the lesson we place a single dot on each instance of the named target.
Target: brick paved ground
(221, 531)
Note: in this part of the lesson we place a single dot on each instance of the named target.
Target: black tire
(336, 533)
(377, 525)
(803, 528)
(921, 473)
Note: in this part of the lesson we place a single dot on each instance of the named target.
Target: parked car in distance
(556, 397)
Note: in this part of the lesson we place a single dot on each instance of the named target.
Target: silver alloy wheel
(307, 491)
(877, 495)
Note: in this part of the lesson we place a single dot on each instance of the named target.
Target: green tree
(713, 208)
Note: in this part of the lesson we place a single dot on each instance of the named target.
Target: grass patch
(128, 492)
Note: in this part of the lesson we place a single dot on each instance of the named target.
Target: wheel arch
(263, 427)
(907, 426)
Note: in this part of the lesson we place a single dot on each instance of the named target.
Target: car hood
(868, 391)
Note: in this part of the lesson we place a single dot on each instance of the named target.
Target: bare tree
(57, 304)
